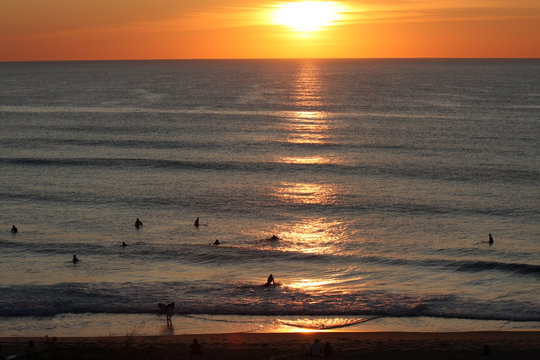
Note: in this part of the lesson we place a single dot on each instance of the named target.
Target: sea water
(382, 180)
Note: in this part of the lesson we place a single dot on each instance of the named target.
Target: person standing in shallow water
(170, 311)
(196, 224)
(490, 239)
(75, 260)
(14, 229)
(138, 223)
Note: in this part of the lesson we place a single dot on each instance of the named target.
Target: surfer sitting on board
(270, 281)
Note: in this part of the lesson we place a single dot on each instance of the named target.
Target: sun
(307, 16)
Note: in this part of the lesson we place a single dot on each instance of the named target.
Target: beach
(346, 345)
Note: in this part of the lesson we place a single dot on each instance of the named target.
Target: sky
(42, 30)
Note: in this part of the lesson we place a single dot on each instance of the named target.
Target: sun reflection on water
(314, 236)
(309, 284)
(306, 193)
(316, 160)
(308, 85)
(307, 126)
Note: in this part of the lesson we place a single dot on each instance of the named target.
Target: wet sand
(346, 345)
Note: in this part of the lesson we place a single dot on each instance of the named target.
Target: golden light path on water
(307, 128)
(314, 235)
(311, 235)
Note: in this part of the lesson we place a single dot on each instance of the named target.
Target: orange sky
(179, 29)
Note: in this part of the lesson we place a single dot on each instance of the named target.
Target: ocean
(382, 180)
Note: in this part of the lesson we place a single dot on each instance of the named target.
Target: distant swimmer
(124, 244)
(75, 260)
(270, 281)
(273, 238)
(14, 229)
(490, 239)
(138, 223)
(216, 242)
(196, 222)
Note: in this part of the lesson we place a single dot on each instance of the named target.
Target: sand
(346, 345)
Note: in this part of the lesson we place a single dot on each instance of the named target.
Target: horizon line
(277, 58)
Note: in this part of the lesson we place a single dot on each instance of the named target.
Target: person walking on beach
(328, 349)
(138, 223)
(316, 348)
(14, 229)
(195, 348)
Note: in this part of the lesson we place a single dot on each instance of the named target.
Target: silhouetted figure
(124, 244)
(328, 349)
(270, 280)
(196, 222)
(273, 238)
(486, 350)
(216, 242)
(170, 311)
(490, 239)
(138, 223)
(31, 350)
(316, 348)
(195, 348)
(75, 260)
(14, 229)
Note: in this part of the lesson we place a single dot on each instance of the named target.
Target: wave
(324, 324)
(257, 251)
(460, 265)
(214, 299)
(474, 174)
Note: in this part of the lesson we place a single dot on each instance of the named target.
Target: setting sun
(307, 16)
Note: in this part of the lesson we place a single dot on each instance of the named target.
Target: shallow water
(382, 179)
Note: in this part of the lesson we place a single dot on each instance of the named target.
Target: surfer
(216, 242)
(124, 244)
(170, 311)
(75, 260)
(273, 238)
(270, 281)
(14, 229)
(490, 239)
(138, 223)
(196, 224)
